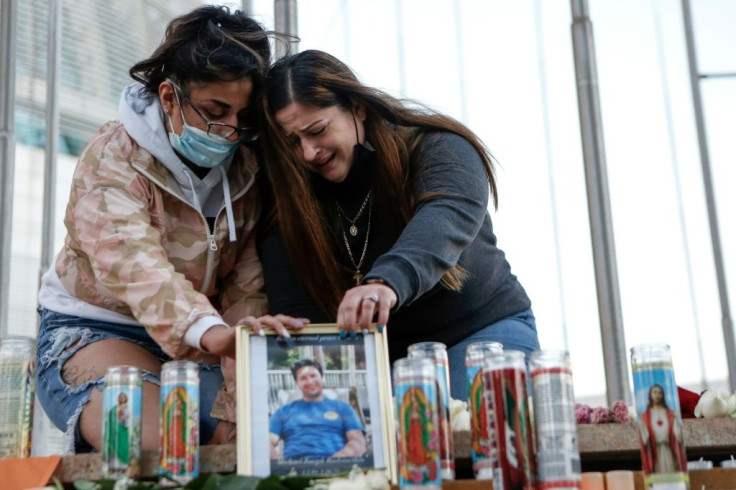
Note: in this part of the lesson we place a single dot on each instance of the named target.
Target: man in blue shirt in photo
(315, 426)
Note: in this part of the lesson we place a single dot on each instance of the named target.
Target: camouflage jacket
(135, 246)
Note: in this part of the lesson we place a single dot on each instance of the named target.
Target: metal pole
(599, 207)
(7, 150)
(544, 94)
(52, 135)
(400, 50)
(728, 335)
(285, 22)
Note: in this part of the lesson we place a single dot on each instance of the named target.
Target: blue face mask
(202, 149)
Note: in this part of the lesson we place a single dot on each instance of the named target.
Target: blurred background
(506, 69)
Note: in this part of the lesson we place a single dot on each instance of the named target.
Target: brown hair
(208, 44)
(393, 127)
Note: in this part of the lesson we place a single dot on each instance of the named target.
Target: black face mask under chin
(362, 153)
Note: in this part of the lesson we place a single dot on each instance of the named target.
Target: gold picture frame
(357, 368)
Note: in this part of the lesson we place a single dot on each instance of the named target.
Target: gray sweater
(454, 228)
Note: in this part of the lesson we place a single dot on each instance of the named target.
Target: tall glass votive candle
(505, 380)
(17, 388)
(558, 456)
(122, 400)
(437, 353)
(482, 448)
(417, 430)
(664, 462)
(179, 428)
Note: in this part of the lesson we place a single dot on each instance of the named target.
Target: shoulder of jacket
(444, 139)
(112, 155)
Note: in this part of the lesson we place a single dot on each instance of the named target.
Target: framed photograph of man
(314, 404)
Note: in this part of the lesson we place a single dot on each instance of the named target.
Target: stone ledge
(602, 447)
(212, 459)
(610, 446)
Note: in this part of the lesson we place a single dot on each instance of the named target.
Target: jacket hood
(143, 119)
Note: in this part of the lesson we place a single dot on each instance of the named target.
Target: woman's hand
(281, 324)
(220, 340)
(361, 304)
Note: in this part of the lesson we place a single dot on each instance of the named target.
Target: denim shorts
(61, 336)
(516, 332)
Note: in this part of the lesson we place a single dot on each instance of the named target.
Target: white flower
(356, 480)
(459, 415)
(712, 403)
(457, 406)
(461, 421)
(731, 405)
(377, 480)
(357, 483)
(632, 413)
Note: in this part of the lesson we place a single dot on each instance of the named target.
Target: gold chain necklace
(358, 275)
(353, 227)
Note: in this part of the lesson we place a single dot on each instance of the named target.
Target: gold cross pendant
(357, 276)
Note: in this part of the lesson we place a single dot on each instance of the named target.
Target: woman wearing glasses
(159, 260)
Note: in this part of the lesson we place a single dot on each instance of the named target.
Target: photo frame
(356, 385)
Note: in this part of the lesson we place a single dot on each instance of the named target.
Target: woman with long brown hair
(381, 213)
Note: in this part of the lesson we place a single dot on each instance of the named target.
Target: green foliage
(224, 482)
(206, 482)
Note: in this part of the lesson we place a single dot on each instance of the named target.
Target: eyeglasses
(223, 130)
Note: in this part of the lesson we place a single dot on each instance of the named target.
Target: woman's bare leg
(225, 433)
(90, 363)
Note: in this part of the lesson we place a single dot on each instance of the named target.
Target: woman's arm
(447, 167)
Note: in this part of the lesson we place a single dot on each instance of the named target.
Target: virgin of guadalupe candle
(505, 380)
(437, 353)
(179, 450)
(482, 448)
(417, 434)
(664, 462)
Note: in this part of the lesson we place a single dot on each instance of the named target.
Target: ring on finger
(372, 297)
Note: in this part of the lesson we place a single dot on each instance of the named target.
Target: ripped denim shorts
(60, 336)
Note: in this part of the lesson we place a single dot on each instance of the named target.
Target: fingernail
(380, 329)
(286, 335)
(352, 334)
(299, 323)
(343, 334)
(364, 331)
(262, 333)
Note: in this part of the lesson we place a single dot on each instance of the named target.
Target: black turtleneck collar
(357, 182)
